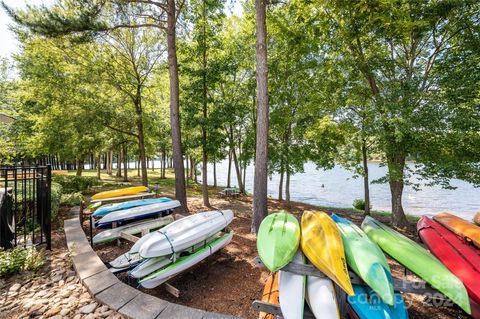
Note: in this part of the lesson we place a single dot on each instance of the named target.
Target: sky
(8, 43)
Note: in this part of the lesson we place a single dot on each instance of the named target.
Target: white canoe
(183, 263)
(321, 298)
(134, 228)
(292, 291)
(150, 265)
(141, 212)
(183, 233)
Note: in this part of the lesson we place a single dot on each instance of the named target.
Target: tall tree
(260, 207)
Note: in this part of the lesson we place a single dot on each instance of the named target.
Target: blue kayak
(368, 305)
(107, 209)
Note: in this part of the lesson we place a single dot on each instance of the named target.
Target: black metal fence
(25, 206)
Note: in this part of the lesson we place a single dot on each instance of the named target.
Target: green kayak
(366, 259)
(278, 239)
(418, 260)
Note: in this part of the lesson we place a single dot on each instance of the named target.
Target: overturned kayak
(323, 246)
(292, 290)
(321, 298)
(462, 259)
(133, 228)
(418, 260)
(136, 213)
(125, 261)
(182, 233)
(278, 239)
(470, 232)
(270, 294)
(368, 305)
(120, 192)
(183, 263)
(109, 208)
(366, 259)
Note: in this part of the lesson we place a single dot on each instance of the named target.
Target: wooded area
(279, 85)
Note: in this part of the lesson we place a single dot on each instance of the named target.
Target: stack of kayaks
(460, 256)
(120, 192)
(278, 240)
(178, 246)
(418, 260)
(121, 217)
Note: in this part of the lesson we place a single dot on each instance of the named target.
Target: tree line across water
(333, 82)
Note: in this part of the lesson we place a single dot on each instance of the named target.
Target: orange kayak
(476, 219)
(470, 232)
(270, 294)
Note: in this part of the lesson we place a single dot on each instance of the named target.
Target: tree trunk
(260, 208)
(138, 167)
(119, 163)
(287, 187)
(229, 175)
(236, 162)
(193, 166)
(180, 190)
(99, 177)
(125, 163)
(396, 166)
(141, 134)
(79, 165)
(187, 176)
(366, 184)
(214, 174)
(280, 185)
(164, 159)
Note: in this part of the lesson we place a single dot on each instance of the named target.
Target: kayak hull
(136, 213)
(418, 260)
(366, 259)
(183, 263)
(120, 192)
(368, 305)
(270, 294)
(462, 259)
(278, 239)
(110, 208)
(182, 233)
(470, 232)
(322, 244)
(292, 291)
(134, 228)
(321, 298)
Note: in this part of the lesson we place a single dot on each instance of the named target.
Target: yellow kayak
(322, 244)
(121, 192)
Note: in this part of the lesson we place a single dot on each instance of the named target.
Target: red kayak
(460, 257)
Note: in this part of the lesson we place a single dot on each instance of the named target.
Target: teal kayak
(368, 305)
(278, 239)
(366, 259)
(107, 209)
(418, 260)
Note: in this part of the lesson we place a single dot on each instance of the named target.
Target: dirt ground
(228, 281)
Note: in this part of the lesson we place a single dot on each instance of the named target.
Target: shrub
(19, 259)
(359, 204)
(56, 198)
(72, 199)
(73, 184)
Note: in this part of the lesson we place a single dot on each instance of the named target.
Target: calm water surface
(340, 189)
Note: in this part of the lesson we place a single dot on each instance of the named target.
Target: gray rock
(88, 308)
(15, 287)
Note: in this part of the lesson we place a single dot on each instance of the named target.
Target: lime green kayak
(418, 260)
(366, 259)
(278, 239)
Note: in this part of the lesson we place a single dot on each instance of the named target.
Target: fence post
(48, 217)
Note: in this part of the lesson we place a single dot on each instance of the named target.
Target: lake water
(340, 189)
